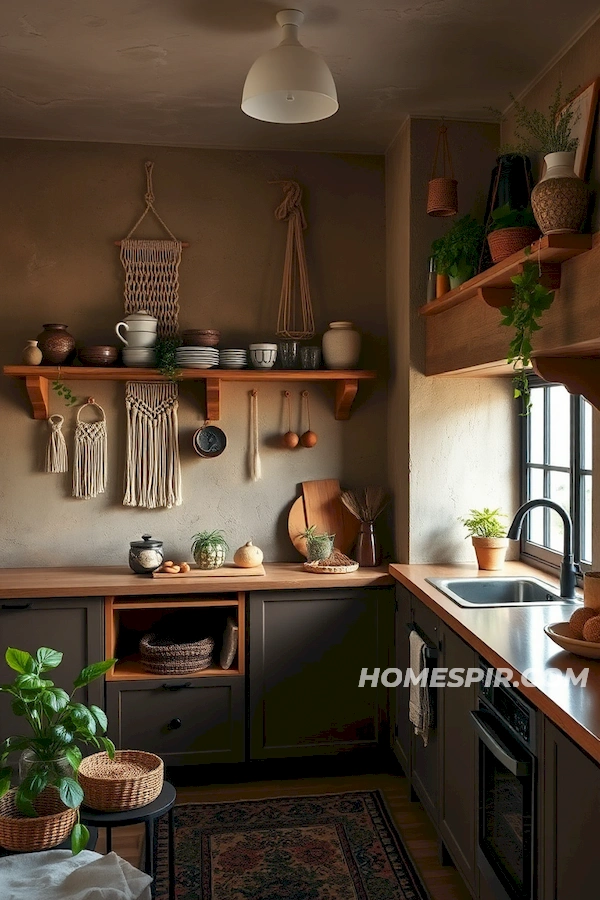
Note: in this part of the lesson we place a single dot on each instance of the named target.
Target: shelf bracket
(213, 399)
(345, 392)
(495, 296)
(38, 388)
(550, 274)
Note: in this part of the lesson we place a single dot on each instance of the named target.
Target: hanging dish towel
(419, 706)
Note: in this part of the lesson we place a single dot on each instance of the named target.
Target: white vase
(31, 355)
(341, 346)
(560, 198)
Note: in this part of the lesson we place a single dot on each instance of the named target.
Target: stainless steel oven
(507, 834)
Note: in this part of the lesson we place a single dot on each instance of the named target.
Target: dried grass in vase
(365, 503)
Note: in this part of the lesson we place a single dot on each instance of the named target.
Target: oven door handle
(518, 767)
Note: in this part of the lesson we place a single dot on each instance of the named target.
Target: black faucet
(568, 569)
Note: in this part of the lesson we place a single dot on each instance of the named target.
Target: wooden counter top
(103, 581)
(514, 637)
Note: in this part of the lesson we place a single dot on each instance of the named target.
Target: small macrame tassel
(89, 463)
(254, 460)
(57, 459)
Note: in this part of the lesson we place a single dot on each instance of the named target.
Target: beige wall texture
(461, 432)
(63, 205)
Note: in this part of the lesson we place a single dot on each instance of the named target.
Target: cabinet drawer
(184, 721)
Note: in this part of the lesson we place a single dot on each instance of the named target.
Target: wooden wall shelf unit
(578, 368)
(38, 378)
(494, 286)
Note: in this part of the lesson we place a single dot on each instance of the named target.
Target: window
(557, 463)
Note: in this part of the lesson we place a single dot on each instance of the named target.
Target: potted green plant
(488, 535)
(50, 755)
(511, 230)
(457, 252)
(530, 300)
(319, 545)
(560, 199)
(209, 549)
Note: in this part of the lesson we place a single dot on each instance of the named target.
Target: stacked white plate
(197, 357)
(234, 359)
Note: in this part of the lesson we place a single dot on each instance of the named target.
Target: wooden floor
(443, 882)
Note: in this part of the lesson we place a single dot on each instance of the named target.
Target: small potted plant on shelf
(209, 549)
(457, 252)
(43, 810)
(319, 545)
(489, 537)
(560, 199)
(511, 230)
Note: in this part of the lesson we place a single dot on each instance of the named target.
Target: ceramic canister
(341, 346)
(146, 556)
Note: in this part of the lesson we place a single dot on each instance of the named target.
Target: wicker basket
(506, 241)
(162, 658)
(133, 779)
(22, 833)
(442, 197)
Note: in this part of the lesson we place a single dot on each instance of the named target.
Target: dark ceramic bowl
(197, 338)
(98, 356)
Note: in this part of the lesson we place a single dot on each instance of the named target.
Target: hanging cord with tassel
(254, 458)
(57, 459)
(290, 210)
(89, 463)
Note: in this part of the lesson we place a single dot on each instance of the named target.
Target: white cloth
(57, 875)
(419, 705)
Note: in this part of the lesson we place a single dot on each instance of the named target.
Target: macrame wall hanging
(152, 473)
(57, 459)
(89, 461)
(295, 318)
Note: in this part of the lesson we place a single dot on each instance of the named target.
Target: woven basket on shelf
(26, 834)
(506, 241)
(163, 658)
(133, 779)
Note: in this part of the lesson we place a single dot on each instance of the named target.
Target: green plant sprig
(457, 252)
(58, 725)
(549, 132)
(63, 391)
(209, 541)
(505, 217)
(530, 300)
(485, 523)
(166, 356)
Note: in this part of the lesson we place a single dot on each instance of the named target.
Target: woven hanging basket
(442, 191)
(132, 779)
(162, 658)
(506, 241)
(26, 834)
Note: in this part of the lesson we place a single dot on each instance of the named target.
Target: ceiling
(171, 71)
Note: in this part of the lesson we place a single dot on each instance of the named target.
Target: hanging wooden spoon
(309, 438)
(290, 439)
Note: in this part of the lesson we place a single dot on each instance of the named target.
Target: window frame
(532, 553)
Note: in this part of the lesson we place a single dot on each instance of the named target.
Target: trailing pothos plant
(530, 300)
(58, 725)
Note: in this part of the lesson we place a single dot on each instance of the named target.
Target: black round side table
(148, 814)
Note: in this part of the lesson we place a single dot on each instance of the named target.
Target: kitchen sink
(508, 591)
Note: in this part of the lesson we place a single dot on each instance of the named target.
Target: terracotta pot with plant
(510, 231)
(457, 252)
(489, 537)
(43, 810)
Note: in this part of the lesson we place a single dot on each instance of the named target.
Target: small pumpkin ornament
(248, 556)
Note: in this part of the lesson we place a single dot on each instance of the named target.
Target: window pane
(586, 500)
(560, 426)
(587, 435)
(536, 426)
(535, 519)
(561, 494)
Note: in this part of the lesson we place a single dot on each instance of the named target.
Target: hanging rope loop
(290, 211)
(442, 145)
(149, 198)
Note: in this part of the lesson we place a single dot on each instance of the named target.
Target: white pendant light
(289, 84)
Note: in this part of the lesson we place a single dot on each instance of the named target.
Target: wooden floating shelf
(38, 378)
(577, 367)
(130, 669)
(494, 286)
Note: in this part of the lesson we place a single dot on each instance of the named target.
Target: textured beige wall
(461, 433)
(62, 207)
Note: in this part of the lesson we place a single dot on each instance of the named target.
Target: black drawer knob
(174, 724)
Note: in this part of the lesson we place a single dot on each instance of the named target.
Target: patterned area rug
(329, 847)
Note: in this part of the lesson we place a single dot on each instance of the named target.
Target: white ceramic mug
(135, 336)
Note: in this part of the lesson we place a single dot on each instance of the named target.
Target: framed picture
(585, 103)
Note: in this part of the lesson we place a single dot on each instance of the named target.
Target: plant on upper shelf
(488, 535)
(549, 132)
(209, 549)
(165, 351)
(457, 252)
(58, 725)
(505, 217)
(510, 230)
(530, 300)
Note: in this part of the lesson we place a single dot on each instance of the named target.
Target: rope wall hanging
(442, 191)
(153, 471)
(57, 459)
(295, 271)
(89, 461)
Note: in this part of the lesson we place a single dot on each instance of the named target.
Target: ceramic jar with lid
(140, 328)
(341, 346)
(56, 344)
(146, 556)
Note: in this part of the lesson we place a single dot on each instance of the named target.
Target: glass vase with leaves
(58, 724)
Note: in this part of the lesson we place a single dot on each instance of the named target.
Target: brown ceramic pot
(56, 344)
(491, 552)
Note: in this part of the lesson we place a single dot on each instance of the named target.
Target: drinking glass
(310, 357)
